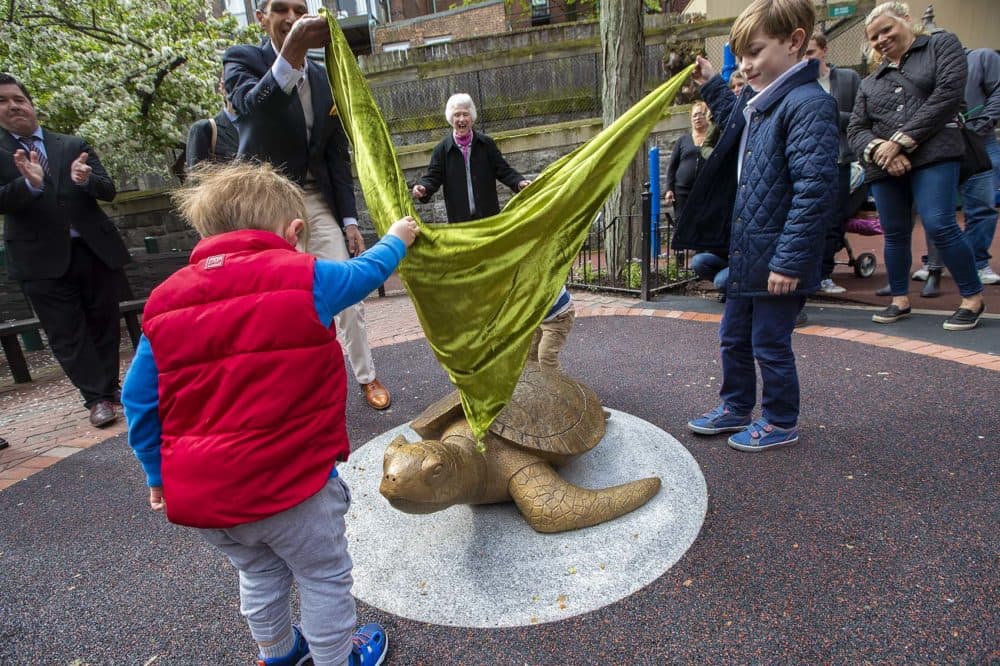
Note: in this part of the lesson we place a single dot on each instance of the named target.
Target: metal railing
(631, 255)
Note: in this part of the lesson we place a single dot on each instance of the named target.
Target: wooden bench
(9, 332)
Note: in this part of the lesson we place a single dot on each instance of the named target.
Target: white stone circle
(483, 566)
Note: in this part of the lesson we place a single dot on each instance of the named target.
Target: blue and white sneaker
(370, 645)
(717, 421)
(761, 435)
(297, 657)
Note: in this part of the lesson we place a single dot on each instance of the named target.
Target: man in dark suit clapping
(61, 246)
(285, 116)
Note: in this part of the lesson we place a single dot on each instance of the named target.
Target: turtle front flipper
(551, 504)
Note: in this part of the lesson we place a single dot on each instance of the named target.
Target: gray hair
(457, 101)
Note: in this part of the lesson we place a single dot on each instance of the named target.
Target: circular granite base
(483, 566)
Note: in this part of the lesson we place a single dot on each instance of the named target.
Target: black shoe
(884, 291)
(964, 319)
(932, 287)
(801, 319)
(891, 314)
(3, 444)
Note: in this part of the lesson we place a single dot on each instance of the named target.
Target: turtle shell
(551, 412)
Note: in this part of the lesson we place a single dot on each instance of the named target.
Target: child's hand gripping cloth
(481, 288)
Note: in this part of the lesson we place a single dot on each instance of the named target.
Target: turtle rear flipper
(551, 504)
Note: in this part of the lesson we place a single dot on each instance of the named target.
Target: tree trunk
(622, 47)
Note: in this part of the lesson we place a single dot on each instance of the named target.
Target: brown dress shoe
(376, 394)
(102, 413)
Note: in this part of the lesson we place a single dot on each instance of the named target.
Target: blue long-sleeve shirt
(336, 286)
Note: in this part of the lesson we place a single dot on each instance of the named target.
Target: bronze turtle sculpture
(550, 419)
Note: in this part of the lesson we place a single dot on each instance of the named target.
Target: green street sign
(841, 11)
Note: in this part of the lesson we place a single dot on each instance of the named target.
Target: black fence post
(646, 243)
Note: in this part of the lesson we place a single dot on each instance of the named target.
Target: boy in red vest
(235, 405)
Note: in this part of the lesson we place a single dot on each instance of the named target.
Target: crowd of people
(235, 399)
(903, 127)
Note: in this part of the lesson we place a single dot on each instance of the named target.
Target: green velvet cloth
(481, 288)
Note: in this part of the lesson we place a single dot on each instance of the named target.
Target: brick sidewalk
(44, 420)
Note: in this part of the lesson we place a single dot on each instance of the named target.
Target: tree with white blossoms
(129, 76)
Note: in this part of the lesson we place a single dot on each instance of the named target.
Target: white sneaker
(987, 276)
(921, 274)
(828, 286)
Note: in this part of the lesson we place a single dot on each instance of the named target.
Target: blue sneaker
(370, 645)
(717, 421)
(761, 436)
(297, 657)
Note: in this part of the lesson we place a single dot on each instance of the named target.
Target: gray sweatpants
(306, 543)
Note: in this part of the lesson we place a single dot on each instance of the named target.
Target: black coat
(447, 167)
(36, 229)
(920, 99)
(199, 143)
(272, 125)
(844, 85)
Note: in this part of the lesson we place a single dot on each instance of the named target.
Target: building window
(395, 46)
(439, 39)
(540, 14)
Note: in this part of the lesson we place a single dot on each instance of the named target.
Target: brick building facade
(485, 18)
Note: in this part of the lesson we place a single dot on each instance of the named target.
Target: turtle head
(423, 477)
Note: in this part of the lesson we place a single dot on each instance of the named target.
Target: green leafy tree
(128, 76)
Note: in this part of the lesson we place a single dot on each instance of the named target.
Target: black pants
(835, 234)
(79, 312)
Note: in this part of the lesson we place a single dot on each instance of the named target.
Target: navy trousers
(760, 329)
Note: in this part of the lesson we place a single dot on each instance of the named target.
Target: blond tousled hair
(777, 18)
(218, 198)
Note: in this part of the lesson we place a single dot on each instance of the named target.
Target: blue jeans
(710, 266)
(993, 150)
(760, 328)
(934, 190)
(980, 220)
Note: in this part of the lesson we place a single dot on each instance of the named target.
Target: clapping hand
(27, 163)
(79, 170)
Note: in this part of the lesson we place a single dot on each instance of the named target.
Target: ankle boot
(932, 288)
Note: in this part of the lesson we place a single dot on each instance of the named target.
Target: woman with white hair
(904, 129)
(467, 163)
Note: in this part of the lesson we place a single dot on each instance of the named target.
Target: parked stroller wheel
(864, 265)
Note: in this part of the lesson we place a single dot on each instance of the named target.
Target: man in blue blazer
(286, 116)
(61, 247)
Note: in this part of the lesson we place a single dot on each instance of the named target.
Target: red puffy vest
(251, 383)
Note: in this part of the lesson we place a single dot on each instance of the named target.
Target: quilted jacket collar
(808, 73)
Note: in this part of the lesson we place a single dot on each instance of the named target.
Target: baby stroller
(862, 220)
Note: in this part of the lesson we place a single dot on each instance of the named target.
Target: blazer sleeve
(950, 72)
(338, 161)
(199, 143)
(14, 192)
(100, 186)
(432, 179)
(250, 85)
(503, 171)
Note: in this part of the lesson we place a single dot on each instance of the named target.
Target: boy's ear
(294, 230)
(797, 39)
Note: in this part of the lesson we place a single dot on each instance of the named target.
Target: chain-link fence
(507, 97)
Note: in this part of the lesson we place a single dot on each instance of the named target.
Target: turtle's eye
(432, 467)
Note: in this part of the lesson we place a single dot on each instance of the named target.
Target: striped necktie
(30, 142)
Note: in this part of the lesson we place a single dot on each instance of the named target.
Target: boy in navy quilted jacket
(777, 161)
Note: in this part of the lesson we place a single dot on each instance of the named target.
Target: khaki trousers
(326, 241)
(549, 339)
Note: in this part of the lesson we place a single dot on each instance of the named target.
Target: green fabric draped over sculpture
(481, 288)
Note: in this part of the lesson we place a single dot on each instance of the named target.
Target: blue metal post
(654, 202)
(728, 63)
